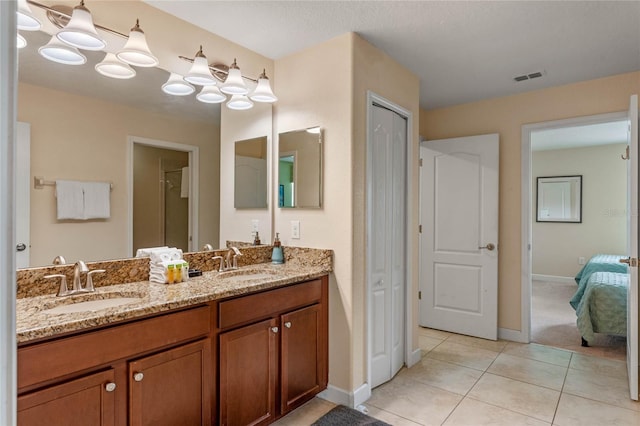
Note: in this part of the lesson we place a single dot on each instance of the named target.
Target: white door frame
(527, 203)
(194, 181)
(410, 356)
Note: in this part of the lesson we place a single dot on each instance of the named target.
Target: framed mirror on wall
(559, 199)
(250, 176)
(300, 168)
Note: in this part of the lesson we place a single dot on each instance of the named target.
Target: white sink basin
(91, 305)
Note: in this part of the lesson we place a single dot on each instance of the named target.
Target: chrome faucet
(221, 259)
(79, 268)
(233, 253)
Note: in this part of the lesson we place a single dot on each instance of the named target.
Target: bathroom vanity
(232, 349)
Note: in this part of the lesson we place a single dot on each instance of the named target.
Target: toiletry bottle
(178, 273)
(256, 240)
(185, 271)
(277, 255)
(171, 274)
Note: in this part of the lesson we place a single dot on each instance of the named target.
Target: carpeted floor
(554, 322)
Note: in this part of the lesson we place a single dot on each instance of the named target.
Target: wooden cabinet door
(89, 400)
(172, 387)
(302, 357)
(248, 372)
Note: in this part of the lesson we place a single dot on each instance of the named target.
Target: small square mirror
(559, 199)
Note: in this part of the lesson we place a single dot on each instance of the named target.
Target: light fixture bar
(216, 69)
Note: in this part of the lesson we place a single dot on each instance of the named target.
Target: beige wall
(557, 246)
(74, 137)
(506, 116)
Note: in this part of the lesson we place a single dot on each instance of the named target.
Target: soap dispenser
(277, 256)
(256, 240)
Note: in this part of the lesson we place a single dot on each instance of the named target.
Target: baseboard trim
(552, 278)
(414, 357)
(350, 399)
(511, 335)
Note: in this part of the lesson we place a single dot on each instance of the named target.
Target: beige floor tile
(539, 353)
(414, 401)
(432, 332)
(529, 370)
(450, 377)
(477, 358)
(600, 387)
(577, 411)
(388, 417)
(492, 345)
(427, 343)
(307, 414)
(472, 412)
(610, 367)
(524, 398)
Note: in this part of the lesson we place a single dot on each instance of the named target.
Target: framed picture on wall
(559, 199)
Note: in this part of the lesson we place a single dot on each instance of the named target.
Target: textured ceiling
(462, 51)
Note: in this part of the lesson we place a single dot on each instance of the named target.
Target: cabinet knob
(138, 377)
(110, 387)
(287, 324)
(274, 329)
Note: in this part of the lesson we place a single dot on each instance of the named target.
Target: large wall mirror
(559, 199)
(250, 176)
(300, 168)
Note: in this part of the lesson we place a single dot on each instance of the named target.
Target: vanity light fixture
(136, 51)
(26, 20)
(239, 102)
(80, 31)
(21, 42)
(112, 67)
(234, 85)
(263, 92)
(176, 86)
(211, 95)
(62, 53)
(200, 74)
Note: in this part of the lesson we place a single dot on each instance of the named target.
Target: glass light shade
(136, 51)
(80, 31)
(112, 67)
(176, 86)
(200, 73)
(234, 85)
(211, 95)
(26, 20)
(21, 42)
(263, 92)
(239, 102)
(57, 51)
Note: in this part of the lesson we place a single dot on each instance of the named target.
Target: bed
(600, 301)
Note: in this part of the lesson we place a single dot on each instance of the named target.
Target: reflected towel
(97, 200)
(184, 184)
(146, 252)
(70, 199)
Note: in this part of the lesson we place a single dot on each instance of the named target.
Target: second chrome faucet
(230, 261)
(80, 268)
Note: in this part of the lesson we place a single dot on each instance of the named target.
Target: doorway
(163, 188)
(388, 136)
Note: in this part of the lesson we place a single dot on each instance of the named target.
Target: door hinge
(631, 261)
(420, 229)
(419, 295)
(420, 162)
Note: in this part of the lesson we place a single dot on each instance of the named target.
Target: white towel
(184, 184)
(146, 252)
(97, 200)
(70, 199)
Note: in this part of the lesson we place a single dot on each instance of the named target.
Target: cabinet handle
(110, 387)
(287, 324)
(138, 377)
(274, 329)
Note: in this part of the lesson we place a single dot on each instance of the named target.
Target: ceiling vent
(531, 76)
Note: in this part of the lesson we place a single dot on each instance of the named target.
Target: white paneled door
(632, 224)
(459, 240)
(23, 193)
(386, 239)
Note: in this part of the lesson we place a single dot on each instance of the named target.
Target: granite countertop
(33, 323)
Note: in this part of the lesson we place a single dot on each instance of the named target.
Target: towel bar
(39, 182)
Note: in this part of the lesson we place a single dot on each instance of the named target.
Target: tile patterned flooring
(466, 381)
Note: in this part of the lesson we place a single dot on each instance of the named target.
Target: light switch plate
(295, 229)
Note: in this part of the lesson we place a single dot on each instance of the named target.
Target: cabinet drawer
(254, 307)
(49, 360)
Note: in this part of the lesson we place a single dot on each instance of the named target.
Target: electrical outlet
(295, 229)
(255, 224)
(581, 261)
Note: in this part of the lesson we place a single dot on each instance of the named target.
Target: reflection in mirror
(250, 177)
(300, 168)
(559, 199)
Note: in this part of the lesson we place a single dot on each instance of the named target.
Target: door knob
(274, 329)
(110, 387)
(138, 377)
(489, 247)
(287, 324)
(21, 247)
